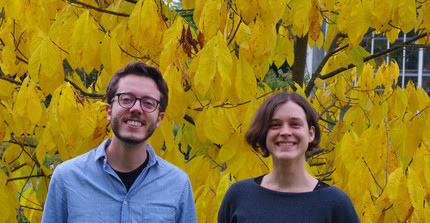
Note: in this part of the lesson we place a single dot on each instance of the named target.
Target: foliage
(58, 56)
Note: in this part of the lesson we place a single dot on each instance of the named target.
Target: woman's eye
(273, 125)
(295, 124)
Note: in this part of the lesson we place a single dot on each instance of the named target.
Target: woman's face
(289, 135)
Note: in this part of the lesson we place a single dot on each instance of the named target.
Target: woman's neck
(289, 178)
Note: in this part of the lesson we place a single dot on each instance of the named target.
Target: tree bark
(299, 60)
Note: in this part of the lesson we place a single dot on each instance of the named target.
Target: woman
(285, 126)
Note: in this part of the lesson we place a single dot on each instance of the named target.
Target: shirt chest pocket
(158, 214)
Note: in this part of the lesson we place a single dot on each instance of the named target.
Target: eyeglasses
(127, 100)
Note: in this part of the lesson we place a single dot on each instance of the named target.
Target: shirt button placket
(125, 212)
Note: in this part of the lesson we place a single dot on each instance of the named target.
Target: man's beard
(115, 128)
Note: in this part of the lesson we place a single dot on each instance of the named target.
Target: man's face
(133, 125)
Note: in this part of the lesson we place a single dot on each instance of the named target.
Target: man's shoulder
(169, 167)
(80, 162)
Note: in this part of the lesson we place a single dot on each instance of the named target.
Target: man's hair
(141, 69)
(260, 124)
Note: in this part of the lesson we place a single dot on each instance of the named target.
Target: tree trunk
(300, 60)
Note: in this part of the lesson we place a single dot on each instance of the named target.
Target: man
(123, 180)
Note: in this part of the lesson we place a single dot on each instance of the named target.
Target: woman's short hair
(141, 69)
(260, 124)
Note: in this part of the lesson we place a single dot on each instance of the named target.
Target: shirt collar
(101, 152)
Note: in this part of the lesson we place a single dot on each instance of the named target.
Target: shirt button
(125, 202)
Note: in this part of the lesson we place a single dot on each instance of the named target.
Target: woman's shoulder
(335, 195)
(246, 183)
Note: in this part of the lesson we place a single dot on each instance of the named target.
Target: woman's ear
(311, 134)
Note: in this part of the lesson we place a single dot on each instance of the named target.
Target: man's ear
(160, 118)
(108, 111)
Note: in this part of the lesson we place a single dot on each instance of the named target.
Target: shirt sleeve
(55, 209)
(187, 209)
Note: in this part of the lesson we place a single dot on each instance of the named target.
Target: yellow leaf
(354, 20)
(398, 194)
(407, 15)
(425, 11)
(300, 16)
(188, 4)
(146, 26)
(358, 176)
(85, 40)
(8, 57)
(226, 181)
(6, 89)
(349, 154)
(427, 210)
(206, 68)
(245, 81)
(357, 54)
(67, 115)
(213, 125)
(414, 135)
(88, 120)
(426, 130)
(224, 62)
(229, 149)
(383, 10)
(413, 103)
(248, 9)
(319, 83)
(211, 21)
(177, 98)
(42, 190)
(242, 36)
(332, 31)
(315, 23)
(166, 127)
(109, 21)
(111, 57)
(399, 103)
(416, 191)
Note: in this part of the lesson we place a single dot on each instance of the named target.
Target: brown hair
(260, 124)
(141, 69)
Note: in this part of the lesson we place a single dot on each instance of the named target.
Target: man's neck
(125, 157)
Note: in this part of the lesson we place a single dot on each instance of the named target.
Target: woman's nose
(285, 130)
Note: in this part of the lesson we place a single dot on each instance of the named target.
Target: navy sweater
(246, 201)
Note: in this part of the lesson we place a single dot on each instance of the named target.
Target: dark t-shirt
(128, 178)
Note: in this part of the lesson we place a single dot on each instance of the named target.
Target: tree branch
(24, 178)
(311, 83)
(10, 80)
(86, 94)
(374, 179)
(388, 152)
(84, 5)
(317, 72)
(384, 52)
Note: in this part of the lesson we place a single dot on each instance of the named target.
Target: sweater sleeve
(225, 212)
